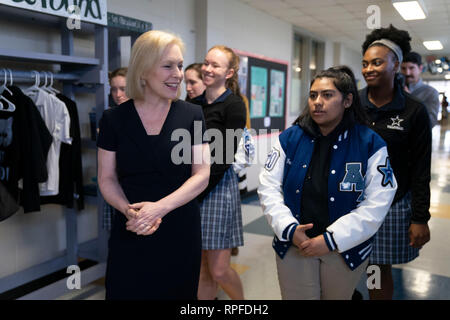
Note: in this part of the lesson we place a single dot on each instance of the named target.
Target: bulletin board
(264, 82)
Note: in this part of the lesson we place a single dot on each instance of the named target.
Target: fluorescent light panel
(433, 45)
(409, 10)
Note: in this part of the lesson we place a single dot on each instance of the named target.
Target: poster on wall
(258, 100)
(277, 88)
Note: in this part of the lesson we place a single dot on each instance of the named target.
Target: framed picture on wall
(258, 92)
(264, 81)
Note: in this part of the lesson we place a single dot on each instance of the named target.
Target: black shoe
(357, 295)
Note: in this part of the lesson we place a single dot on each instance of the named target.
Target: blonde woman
(157, 224)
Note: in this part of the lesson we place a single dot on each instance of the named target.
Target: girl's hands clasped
(314, 247)
(144, 218)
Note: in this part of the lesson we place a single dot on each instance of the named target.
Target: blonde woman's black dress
(166, 264)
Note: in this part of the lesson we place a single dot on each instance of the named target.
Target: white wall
(349, 57)
(328, 54)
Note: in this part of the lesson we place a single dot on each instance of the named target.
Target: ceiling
(345, 21)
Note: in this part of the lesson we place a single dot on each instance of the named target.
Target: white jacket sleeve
(245, 153)
(364, 221)
(270, 192)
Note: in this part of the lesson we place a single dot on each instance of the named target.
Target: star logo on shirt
(387, 172)
(396, 121)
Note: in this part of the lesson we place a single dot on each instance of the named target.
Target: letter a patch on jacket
(353, 180)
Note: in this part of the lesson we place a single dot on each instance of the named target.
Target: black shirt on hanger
(70, 165)
(24, 145)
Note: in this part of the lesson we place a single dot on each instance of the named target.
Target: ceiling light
(410, 10)
(447, 76)
(433, 45)
(440, 70)
(437, 61)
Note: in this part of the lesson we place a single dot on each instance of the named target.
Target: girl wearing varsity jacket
(325, 189)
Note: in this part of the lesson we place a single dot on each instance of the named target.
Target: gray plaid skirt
(108, 212)
(221, 215)
(391, 242)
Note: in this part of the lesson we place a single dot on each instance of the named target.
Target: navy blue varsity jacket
(361, 188)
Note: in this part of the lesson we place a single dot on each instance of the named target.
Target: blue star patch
(388, 174)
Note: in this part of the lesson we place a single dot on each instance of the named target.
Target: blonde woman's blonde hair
(147, 51)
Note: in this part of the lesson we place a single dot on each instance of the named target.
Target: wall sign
(127, 23)
(93, 11)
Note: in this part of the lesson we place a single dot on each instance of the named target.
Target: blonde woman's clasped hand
(147, 219)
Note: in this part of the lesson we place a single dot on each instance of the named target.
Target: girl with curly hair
(404, 124)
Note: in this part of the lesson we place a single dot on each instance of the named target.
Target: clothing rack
(74, 70)
(30, 76)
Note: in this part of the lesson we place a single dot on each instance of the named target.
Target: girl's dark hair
(195, 66)
(399, 37)
(344, 81)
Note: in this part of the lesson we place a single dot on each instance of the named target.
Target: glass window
(314, 59)
(295, 106)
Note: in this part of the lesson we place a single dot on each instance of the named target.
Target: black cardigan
(226, 112)
(405, 126)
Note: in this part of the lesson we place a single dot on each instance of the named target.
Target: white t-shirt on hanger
(56, 116)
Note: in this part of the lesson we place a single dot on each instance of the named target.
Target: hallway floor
(426, 278)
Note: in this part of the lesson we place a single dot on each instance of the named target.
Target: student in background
(404, 124)
(117, 83)
(412, 68)
(220, 205)
(193, 80)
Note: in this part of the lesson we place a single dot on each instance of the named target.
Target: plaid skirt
(108, 212)
(391, 242)
(221, 215)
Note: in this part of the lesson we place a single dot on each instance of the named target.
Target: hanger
(34, 88)
(45, 86)
(50, 86)
(11, 107)
(10, 77)
(4, 87)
